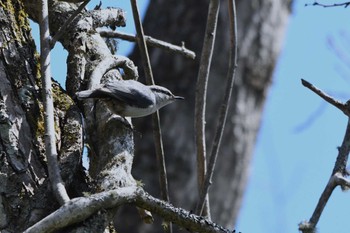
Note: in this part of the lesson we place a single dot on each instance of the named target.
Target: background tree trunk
(261, 26)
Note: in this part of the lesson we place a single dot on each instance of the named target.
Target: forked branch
(224, 107)
(78, 209)
(339, 173)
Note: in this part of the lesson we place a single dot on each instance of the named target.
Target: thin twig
(63, 28)
(50, 141)
(151, 42)
(339, 171)
(201, 96)
(142, 44)
(181, 217)
(224, 106)
(345, 4)
(157, 133)
(344, 107)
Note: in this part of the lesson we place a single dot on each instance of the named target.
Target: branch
(201, 95)
(181, 217)
(50, 141)
(142, 44)
(110, 17)
(334, 181)
(224, 106)
(63, 28)
(344, 107)
(79, 209)
(150, 41)
(157, 133)
(345, 4)
(107, 64)
(339, 171)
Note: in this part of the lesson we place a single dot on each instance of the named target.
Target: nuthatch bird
(130, 98)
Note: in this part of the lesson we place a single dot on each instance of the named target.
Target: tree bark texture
(26, 196)
(261, 27)
(110, 142)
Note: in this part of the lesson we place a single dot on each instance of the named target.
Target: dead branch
(157, 133)
(201, 96)
(109, 63)
(78, 209)
(339, 173)
(50, 140)
(224, 106)
(344, 107)
(344, 4)
(151, 42)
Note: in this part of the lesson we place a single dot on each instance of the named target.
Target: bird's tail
(84, 94)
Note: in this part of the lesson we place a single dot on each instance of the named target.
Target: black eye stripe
(166, 92)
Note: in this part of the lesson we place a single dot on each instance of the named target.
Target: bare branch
(150, 41)
(142, 44)
(130, 70)
(342, 181)
(157, 133)
(334, 181)
(339, 171)
(50, 141)
(201, 97)
(345, 4)
(224, 106)
(327, 192)
(344, 107)
(343, 154)
(79, 209)
(181, 217)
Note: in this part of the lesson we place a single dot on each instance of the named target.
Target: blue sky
(297, 144)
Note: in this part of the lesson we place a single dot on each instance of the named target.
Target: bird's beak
(179, 98)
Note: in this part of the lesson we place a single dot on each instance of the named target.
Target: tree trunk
(261, 27)
(25, 191)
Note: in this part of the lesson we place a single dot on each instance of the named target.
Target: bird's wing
(99, 93)
(131, 93)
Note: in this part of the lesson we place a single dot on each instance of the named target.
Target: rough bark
(261, 26)
(110, 142)
(26, 196)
